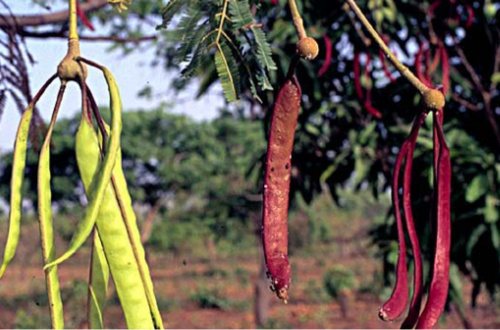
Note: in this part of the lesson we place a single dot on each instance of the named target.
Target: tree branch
(405, 72)
(472, 73)
(63, 35)
(17, 22)
(465, 103)
(496, 68)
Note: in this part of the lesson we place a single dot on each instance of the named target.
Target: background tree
(192, 172)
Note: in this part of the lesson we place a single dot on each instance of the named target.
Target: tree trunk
(147, 226)
(263, 295)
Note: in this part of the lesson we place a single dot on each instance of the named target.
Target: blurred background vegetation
(196, 185)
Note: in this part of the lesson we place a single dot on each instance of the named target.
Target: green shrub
(338, 280)
(186, 237)
(210, 298)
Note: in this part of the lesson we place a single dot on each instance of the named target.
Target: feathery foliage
(227, 71)
(239, 11)
(220, 30)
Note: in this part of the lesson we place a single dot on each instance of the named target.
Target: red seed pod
(357, 76)
(454, 13)
(396, 304)
(438, 291)
(433, 6)
(83, 17)
(277, 186)
(422, 73)
(383, 60)
(328, 56)
(435, 63)
(366, 101)
(470, 16)
(416, 302)
(445, 71)
(372, 110)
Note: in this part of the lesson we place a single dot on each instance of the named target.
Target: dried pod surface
(277, 185)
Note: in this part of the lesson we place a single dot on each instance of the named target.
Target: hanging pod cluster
(109, 217)
(433, 101)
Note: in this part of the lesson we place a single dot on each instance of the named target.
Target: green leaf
(474, 238)
(240, 14)
(169, 11)
(364, 135)
(312, 129)
(253, 90)
(495, 236)
(477, 188)
(227, 71)
(187, 24)
(497, 169)
(490, 209)
(210, 76)
(263, 53)
(495, 78)
(264, 82)
(389, 14)
(197, 57)
(332, 168)
(189, 46)
(361, 166)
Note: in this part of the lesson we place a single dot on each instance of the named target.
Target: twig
(472, 73)
(366, 41)
(73, 24)
(297, 20)
(405, 72)
(496, 68)
(465, 103)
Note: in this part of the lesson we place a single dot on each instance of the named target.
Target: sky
(132, 73)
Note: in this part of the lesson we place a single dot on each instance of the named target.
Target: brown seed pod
(277, 186)
(308, 48)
